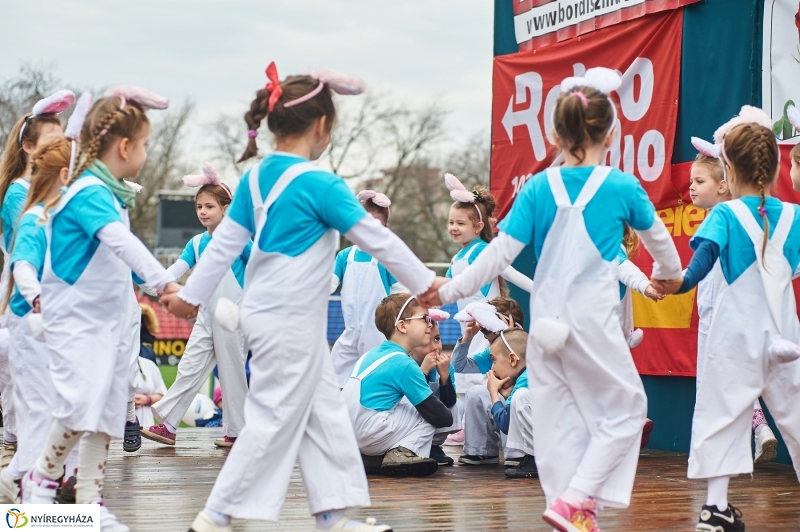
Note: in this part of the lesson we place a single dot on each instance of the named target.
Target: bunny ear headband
(602, 79)
(53, 104)
(74, 125)
(484, 314)
(339, 83)
(377, 198)
(147, 99)
(793, 114)
(460, 193)
(438, 315)
(209, 176)
(710, 150)
(748, 115)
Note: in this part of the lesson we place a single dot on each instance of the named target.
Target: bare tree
(164, 169)
(19, 94)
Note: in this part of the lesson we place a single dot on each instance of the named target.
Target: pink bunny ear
(344, 84)
(486, 316)
(706, 148)
(147, 99)
(211, 174)
(381, 200)
(457, 190)
(438, 315)
(793, 114)
(54, 104)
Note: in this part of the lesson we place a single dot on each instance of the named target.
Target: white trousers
(6, 386)
(520, 428)
(208, 345)
(295, 413)
(440, 435)
(400, 426)
(481, 434)
(33, 392)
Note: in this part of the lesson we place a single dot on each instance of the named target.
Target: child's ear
(122, 148)
(723, 187)
(513, 359)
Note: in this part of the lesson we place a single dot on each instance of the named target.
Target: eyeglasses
(426, 317)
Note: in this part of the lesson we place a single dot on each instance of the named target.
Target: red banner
(539, 23)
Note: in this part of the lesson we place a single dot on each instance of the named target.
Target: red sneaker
(226, 442)
(648, 428)
(160, 433)
(567, 518)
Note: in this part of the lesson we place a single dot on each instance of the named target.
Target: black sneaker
(66, 493)
(437, 453)
(472, 459)
(133, 436)
(525, 469)
(403, 462)
(372, 464)
(712, 520)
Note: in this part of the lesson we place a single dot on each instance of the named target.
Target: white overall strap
(74, 188)
(748, 222)
(592, 185)
(24, 182)
(372, 367)
(255, 196)
(557, 187)
(196, 246)
(784, 226)
(286, 178)
(351, 255)
(469, 253)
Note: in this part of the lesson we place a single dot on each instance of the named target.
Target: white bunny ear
(793, 114)
(381, 200)
(438, 315)
(486, 316)
(135, 186)
(147, 99)
(365, 195)
(571, 82)
(603, 79)
(462, 316)
(706, 148)
(54, 104)
(78, 117)
(747, 115)
(453, 183)
(344, 84)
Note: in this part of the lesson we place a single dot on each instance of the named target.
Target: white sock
(718, 492)
(92, 457)
(219, 518)
(574, 497)
(8, 437)
(60, 442)
(170, 428)
(131, 415)
(12, 472)
(71, 465)
(326, 520)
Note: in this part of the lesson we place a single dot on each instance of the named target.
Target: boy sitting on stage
(393, 411)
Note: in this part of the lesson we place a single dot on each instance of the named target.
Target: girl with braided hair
(293, 210)
(757, 240)
(87, 297)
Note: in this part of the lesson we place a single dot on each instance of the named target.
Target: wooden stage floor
(161, 489)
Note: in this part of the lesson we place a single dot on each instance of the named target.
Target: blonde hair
(149, 318)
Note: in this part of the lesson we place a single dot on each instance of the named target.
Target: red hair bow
(273, 86)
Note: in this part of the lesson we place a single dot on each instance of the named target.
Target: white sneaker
(9, 491)
(32, 492)
(766, 446)
(203, 523)
(109, 523)
(368, 526)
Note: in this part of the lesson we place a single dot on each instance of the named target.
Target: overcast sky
(215, 52)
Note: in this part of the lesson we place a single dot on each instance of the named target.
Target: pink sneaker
(567, 518)
(648, 428)
(160, 433)
(226, 442)
(457, 438)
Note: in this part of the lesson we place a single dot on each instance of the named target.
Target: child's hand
(443, 367)
(654, 294)
(428, 363)
(37, 306)
(140, 399)
(669, 286)
(494, 384)
(177, 306)
(469, 333)
(431, 297)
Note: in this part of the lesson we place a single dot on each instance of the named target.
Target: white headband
(503, 337)
(403, 309)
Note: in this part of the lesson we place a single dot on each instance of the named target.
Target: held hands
(175, 305)
(653, 294)
(431, 297)
(140, 399)
(669, 286)
(37, 305)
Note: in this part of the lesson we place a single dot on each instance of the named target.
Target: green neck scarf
(121, 190)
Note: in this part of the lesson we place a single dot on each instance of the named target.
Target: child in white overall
(29, 133)
(209, 344)
(294, 409)
(757, 241)
(365, 282)
(34, 394)
(440, 374)
(393, 410)
(587, 439)
(86, 291)
(708, 186)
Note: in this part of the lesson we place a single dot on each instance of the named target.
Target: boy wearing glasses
(391, 406)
